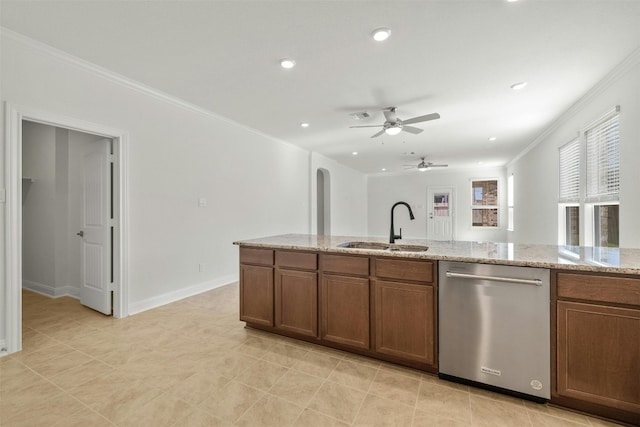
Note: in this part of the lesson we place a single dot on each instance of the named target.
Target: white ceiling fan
(424, 166)
(393, 125)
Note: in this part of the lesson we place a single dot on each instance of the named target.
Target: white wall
(348, 197)
(385, 189)
(254, 185)
(536, 172)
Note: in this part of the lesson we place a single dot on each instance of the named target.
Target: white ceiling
(454, 57)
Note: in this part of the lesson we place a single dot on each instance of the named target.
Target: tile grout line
(367, 393)
(415, 402)
(66, 393)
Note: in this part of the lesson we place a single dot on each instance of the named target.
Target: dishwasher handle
(535, 282)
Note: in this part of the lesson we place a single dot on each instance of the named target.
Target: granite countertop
(596, 259)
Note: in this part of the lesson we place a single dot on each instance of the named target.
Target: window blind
(603, 159)
(570, 172)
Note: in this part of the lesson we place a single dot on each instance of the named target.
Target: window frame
(495, 207)
(587, 203)
(510, 203)
(574, 199)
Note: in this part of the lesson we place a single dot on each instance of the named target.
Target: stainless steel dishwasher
(494, 327)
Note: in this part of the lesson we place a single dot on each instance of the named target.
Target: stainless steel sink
(377, 246)
(365, 245)
(409, 248)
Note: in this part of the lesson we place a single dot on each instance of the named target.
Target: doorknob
(80, 233)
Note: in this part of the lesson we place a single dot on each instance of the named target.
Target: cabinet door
(256, 294)
(404, 320)
(599, 354)
(344, 310)
(296, 303)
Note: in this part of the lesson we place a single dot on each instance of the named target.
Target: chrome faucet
(392, 234)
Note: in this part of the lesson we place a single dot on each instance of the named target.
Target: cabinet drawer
(299, 260)
(593, 287)
(344, 264)
(419, 271)
(256, 256)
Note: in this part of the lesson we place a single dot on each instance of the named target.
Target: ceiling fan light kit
(393, 125)
(424, 166)
(393, 130)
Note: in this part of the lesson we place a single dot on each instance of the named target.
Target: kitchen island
(382, 302)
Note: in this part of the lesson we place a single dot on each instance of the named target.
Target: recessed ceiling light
(381, 34)
(492, 138)
(512, 1)
(287, 63)
(384, 169)
(518, 86)
(304, 124)
(355, 153)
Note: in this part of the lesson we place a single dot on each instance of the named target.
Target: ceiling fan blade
(366, 126)
(411, 129)
(377, 134)
(419, 119)
(390, 114)
(438, 166)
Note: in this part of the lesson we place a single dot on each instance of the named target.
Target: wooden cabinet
(404, 310)
(256, 294)
(405, 320)
(344, 300)
(296, 293)
(344, 310)
(597, 360)
(382, 307)
(256, 286)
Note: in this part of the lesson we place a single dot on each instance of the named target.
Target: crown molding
(121, 80)
(632, 60)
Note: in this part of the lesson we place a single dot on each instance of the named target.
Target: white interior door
(95, 289)
(440, 213)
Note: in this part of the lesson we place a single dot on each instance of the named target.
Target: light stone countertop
(594, 259)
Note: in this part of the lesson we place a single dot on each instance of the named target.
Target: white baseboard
(39, 288)
(169, 297)
(51, 291)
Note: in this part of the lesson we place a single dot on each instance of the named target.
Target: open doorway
(323, 204)
(67, 216)
(114, 274)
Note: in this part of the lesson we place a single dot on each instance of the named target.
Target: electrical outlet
(202, 202)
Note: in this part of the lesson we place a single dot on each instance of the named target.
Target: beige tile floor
(192, 363)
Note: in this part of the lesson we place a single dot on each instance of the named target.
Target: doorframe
(14, 116)
(452, 206)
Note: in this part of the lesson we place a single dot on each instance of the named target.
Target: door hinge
(111, 287)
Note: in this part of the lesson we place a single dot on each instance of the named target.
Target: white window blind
(603, 158)
(570, 172)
